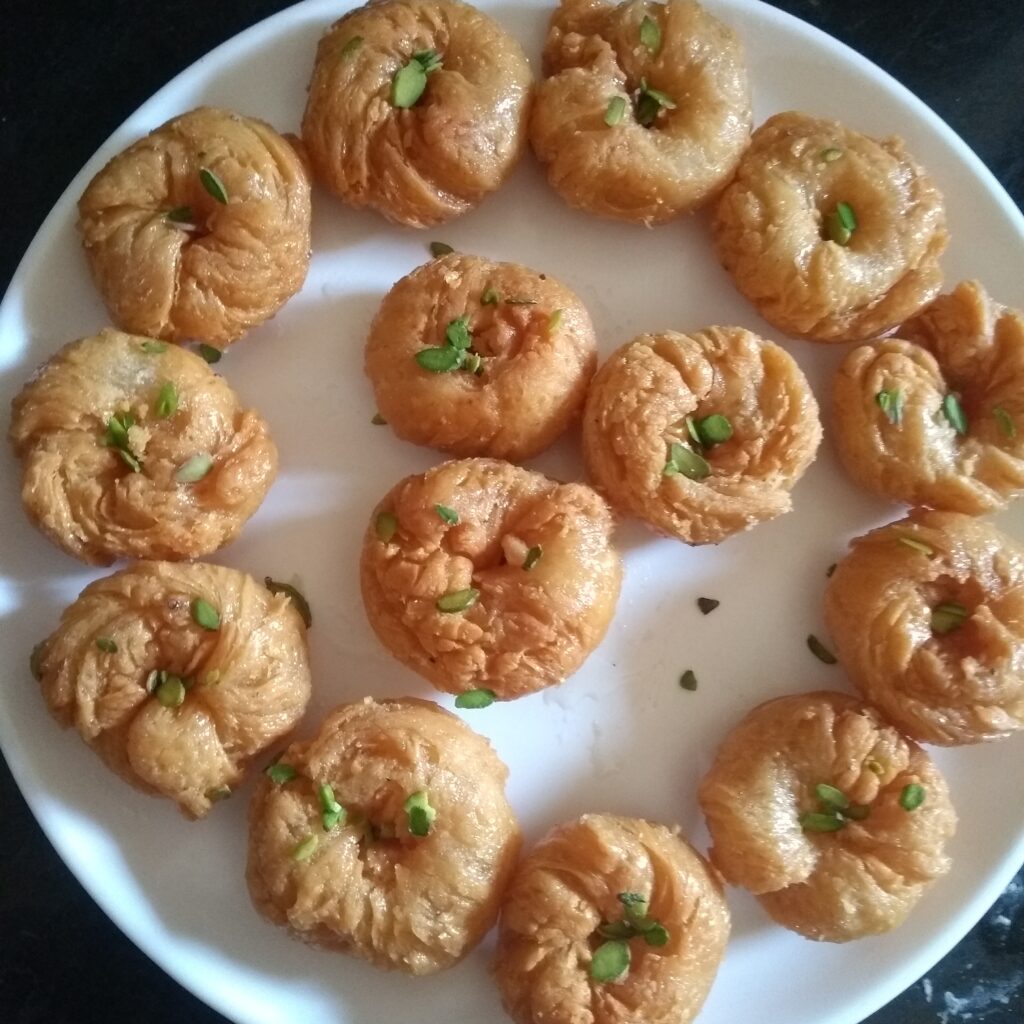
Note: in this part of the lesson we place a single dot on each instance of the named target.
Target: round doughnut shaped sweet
(199, 231)
(350, 868)
(832, 818)
(177, 675)
(480, 575)
(700, 435)
(518, 380)
(644, 110)
(777, 230)
(936, 417)
(133, 448)
(566, 897)
(927, 615)
(418, 158)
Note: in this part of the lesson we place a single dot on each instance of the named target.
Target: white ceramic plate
(620, 735)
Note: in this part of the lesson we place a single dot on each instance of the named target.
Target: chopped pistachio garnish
(555, 320)
(205, 615)
(820, 651)
(614, 111)
(533, 556)
(130, 460)
(688, 680)
(440, 360)
(167, 401)
(650, 35)
(351, 46)
(333, 812)
(616, 930)
(831, 798)
(210, 353)
(293, 593)
(489, 297)
(912, 796)
(873, 765)
(153, 680)
(170, 691)
(954, 413)
(213, 185)
(106, 644)
(212, 678)
(817, 821)
(707, 605)
(473, 699)
(831, 154)
(841, 224)
(684, 460)
(636, 923)
(304, 850)
(610, 961)
(458, 600)
(193, 470)
(218, 793)
(650, 103)
(449, 515)
(634, 904)
(378, 421)
(153, 348)
(947, 617)
(421, 814)
(916, 545)
(440, 249)
(891, 403)
(116, 437)
(1005, 421)
(181, 215)
(410, 81)
(473, 363)
(35, 661)
(691, 429)
(457, 333)
(656, 935)
(279, 773)
(386, 526)
(714, 429)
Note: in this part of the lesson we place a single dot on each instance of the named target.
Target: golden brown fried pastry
(700, 435)
(589, 882)
(480, 575)
(833, 236)
(835, 821)
(480, 358)
(937, 417)
(417, 108)
(644, 111)
(176, 675)
(387, 836)
(200, 230)
(134, 448)
(928, 619)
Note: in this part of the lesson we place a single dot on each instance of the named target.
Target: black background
(71, 72)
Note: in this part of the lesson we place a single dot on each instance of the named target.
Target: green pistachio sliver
(117, 430)
(890, 401)
(153, 348)
(458, 600)
(490, 297)
(954, 413)
(213, 185)
(831, 154)
(1005, 421)
(916, 545)
(408, 85)
(205, 615)
(449, 515)
(707, 605)
(440, 360)
(688, 680)
(614, 111)
(873, 765)
(841, 223)
(947, 617)
(279, 773)
(635, 905)
(106, 644)
(457, 333)
(130, 460)
(428, 59)
(833, 799)
(691, 429)
(555, 320)
(304, 849)
(440, 249)
(294, 595)
(533, 556)
(218, 793)
(210, 353)
(171, 691)
(35, 661)
(820, 651)
(714, 429)
(610, 961)
(333, 812)
(420, 814)
(474, 699)
(656, 934)
(193, 470)
(816, 821)
(912, 796)
(685, 461)
(167, 401)
(350, 47)
(153, 680)
(473, 363)
(386, 527)
(183, 215)
(650, 35)
(616, 930)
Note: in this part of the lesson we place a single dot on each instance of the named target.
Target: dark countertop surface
(71, 72)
